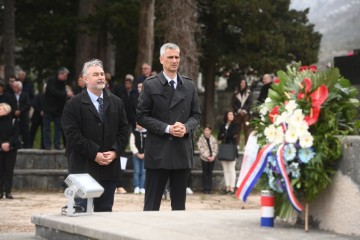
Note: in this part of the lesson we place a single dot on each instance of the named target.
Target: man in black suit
(169, 109)
(96, 131)
(22, 113)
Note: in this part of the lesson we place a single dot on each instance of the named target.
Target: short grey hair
(19, 84)
(91, 63)
(63, 70)
(168, 46)
(6, 107)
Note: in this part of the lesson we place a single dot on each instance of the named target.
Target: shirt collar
(93, 97)
(169, 79)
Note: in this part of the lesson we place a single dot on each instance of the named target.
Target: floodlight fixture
(81, 186)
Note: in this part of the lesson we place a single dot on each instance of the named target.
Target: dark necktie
(172, 84)
(101, 108)
(172, 90)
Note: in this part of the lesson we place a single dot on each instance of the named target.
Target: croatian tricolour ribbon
(251, 170)
(289, 190)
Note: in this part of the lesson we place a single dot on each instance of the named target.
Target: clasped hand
(105, 158)
(178, 129)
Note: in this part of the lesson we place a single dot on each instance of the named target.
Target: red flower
(276, 81)
(313, 117)
(319, 96)
(312, 68)
(273, 113)
(307, 82)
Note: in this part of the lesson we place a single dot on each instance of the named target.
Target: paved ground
(16, 213)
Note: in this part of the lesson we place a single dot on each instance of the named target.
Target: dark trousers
(36, 122)
(47, 119)
(7, 164)
(207, 174)
(24, 132)
(155, 185)
(105, 202)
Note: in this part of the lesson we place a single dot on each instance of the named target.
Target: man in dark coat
(97, 133)
(169, 109)
(22, 113)
(56, 94)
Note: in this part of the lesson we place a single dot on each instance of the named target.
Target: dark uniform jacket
(156, 110)
(86, 134)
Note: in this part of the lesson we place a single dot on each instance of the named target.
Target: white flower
(302, 128)
(267, 100)
(291, 135)
(270, 133)
(297, 117)
(306, 140)
(279, 135)
(283, 118)
(291, 106)
(263, 110)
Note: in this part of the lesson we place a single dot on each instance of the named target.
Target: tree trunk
(9, 38)
(86, 41)
(209, 113)
(180, 29)
(146, 35)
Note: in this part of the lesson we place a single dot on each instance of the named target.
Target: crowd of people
(156, 118)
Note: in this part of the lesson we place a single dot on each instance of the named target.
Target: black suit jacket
(156, 110)
(24, 106)
(86, 134)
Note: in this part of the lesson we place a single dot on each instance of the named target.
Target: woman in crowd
(241, 103)
(208, 148)
(9, 143)
(228, 135)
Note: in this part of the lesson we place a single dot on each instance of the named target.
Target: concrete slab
(176, 225)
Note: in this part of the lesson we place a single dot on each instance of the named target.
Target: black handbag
(227, 152)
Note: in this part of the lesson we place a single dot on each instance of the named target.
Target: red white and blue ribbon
(289, 190)
(249, 177)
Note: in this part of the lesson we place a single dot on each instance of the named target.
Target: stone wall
(46, 170)
(338, 208)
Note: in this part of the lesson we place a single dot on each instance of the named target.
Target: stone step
(46, 170)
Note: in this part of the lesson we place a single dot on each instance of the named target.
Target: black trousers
(155, 185)
(207, 174)
(105, 202)
(7, 164)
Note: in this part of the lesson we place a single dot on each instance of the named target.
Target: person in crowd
(27, 86)
(145, 73)
(267, 81)
(129, 96)
(97, 133)
(22, 113)
(9, 86)
(9, 143)
(7, 98)
(208, 148)
(109, 82)
(241, 103)
(228, 134)
(55, 97)
(80, 85)
(169, 109)
(37, 119)
(137, 147)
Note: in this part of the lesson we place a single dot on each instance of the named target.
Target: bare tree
(9, 38)
(146, 34)
(181, 29)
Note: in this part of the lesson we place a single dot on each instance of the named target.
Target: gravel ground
(16, 213)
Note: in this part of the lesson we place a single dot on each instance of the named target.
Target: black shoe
(1, 195)
(9, 196)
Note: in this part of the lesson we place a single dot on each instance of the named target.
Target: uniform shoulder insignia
(186, 77)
